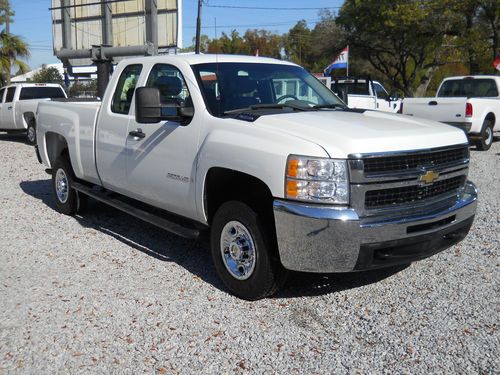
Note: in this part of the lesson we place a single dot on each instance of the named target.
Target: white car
(471, 103)
(18, 104)
(208, 142)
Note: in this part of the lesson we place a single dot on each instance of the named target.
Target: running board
(113, 200)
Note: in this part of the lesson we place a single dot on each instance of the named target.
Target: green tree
(298, 44)
(264, 42)
(48, 75)
(402, 40)
(12, 48)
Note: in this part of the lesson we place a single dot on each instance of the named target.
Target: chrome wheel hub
(61, 185)
(489, 136)
(237, 250)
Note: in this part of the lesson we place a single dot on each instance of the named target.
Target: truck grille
(401, 163)
(413, 193)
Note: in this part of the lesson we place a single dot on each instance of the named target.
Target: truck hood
(342, 133)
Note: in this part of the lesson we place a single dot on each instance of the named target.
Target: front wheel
(244, 252)
(486, 136)
(31, 133)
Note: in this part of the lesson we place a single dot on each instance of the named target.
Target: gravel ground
(106, 293)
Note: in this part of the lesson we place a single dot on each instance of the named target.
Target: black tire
(486, 137)
(67, 200)
(267, 273)
(31, 132)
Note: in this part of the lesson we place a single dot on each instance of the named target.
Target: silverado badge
(428, 177)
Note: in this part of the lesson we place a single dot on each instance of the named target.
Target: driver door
(161, 161)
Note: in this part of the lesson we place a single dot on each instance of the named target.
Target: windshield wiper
(333, 106)
(267, 106)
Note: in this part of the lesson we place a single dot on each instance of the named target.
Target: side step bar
(150, 217)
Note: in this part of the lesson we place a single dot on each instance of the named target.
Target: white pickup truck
(18, 104)
(366, 94)
(471, 103)
(204, 142)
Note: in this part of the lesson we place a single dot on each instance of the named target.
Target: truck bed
(75, 121)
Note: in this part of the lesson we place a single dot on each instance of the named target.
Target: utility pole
(198, 28)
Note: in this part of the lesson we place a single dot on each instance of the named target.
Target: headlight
(316, 180)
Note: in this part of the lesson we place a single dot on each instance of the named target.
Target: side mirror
(150, 110)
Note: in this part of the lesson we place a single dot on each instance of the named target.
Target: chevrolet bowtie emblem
(428, 177)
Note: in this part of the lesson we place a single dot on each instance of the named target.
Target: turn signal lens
(293, 167)
(291, 188)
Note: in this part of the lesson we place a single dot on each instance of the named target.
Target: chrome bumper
(314, 238)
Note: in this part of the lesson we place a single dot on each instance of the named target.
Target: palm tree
(12, 47)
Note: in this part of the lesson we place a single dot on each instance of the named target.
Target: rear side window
(122, 98)
(41, 93)
(2, 91)
(469, 87)
(10, 94)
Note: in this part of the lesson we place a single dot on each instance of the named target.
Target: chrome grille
(414, 193)
(390, 183)
(412, 161)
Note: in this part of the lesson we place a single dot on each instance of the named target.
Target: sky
(33, 22)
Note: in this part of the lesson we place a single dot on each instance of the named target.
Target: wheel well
(28, 116)
(222, 185)
(56, 146)
(490, 116)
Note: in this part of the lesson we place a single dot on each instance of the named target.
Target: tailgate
(448, 110)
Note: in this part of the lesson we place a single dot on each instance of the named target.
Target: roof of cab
(194, 59)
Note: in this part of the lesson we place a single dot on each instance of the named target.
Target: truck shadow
(17, 137)
(193, 255)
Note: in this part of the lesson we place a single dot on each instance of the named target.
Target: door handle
(433, 102)
(9, 107)
(137, 133)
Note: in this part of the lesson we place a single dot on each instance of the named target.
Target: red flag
(496, 62)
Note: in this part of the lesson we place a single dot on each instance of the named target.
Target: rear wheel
(67, 199)
(244, 252)
(486, 136)
(31, 133)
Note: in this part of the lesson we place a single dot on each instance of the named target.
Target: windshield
(468, 88)
(228, 87)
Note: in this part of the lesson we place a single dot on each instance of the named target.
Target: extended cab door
(161, 162)
(112, 130)
(8, 113)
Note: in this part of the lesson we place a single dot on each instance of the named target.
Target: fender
(256, 153)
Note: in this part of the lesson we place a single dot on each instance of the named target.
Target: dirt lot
(106, 293)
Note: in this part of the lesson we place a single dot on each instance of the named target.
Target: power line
(255, 25)
(268, 8)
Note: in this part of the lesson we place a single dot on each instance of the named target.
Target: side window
(380, 91)
(122, 98)
(10, 94)
(2, 91)
(169, 80)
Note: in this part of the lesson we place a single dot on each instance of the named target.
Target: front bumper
(315, 238)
